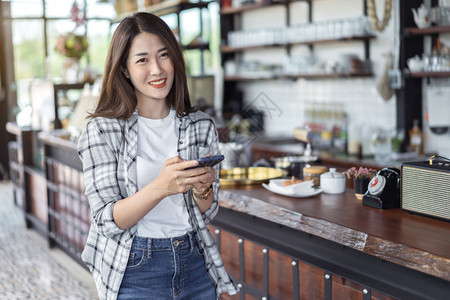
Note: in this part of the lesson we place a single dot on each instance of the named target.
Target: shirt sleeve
(100, 175)
(211, 212)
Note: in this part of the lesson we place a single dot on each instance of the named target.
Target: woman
(148, 238)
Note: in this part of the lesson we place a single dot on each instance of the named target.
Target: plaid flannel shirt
(108, 150)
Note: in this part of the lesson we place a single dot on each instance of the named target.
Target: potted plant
(361, 177)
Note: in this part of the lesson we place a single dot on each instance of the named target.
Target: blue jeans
(162, 269)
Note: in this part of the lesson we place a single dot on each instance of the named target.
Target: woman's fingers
(179, 180)
(173, 160)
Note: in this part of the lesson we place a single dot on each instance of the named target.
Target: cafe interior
(332, 117)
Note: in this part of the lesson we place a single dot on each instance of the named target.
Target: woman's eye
(165, 54)
(142, 60)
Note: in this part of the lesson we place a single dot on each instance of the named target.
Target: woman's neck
(154, 111)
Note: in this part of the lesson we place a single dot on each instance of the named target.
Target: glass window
(171, 20)
(99, 35)
(29, 56)
(98, 9)
(26, 8)
(28, 42)
(60, 8)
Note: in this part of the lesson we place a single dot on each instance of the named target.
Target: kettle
(235, 155)
(415, 64)
(421, 16)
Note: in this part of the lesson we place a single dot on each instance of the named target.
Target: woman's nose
(155, 67)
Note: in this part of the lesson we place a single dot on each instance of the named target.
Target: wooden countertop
(413, 241)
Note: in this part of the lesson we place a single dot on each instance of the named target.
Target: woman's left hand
(204, 180)
(200, 186)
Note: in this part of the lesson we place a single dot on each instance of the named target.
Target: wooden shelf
(251, 6)
(409, 74)
(166, 7)
(424, 31)
(229, 49)
(297, 76)
(249, 78)
(333, 75)
(201, 46)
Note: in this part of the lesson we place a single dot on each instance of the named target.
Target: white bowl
(332, 182)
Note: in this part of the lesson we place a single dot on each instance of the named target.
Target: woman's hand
(174, 178)
(204, 180)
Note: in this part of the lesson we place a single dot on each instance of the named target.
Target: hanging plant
(72, 45)
(372, 13)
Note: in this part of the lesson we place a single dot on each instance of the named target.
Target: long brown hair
(117, 96)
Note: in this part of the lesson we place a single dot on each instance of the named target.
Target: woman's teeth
(157, 82)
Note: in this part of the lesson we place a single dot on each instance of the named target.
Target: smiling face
(150, 69)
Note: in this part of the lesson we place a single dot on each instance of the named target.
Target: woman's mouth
(158, 83)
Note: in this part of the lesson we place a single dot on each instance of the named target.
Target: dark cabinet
(409, 97)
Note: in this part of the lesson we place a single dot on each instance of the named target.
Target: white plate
(302, 190)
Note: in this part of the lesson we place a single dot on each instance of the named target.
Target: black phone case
(208, 161)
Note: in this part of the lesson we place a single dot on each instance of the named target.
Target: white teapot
(422, 16)
(415, 64)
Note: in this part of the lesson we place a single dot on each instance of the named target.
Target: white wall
(358, 97)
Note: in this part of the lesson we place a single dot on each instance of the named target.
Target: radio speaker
(425, 189)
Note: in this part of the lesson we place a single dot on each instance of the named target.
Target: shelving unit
(228, 49)
(297, 76)
(409, 97)
(231, 20)
(425, 31)
(56, 91)
(409, 74)
(253, 6)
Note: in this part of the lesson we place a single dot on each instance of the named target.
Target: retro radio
(426, 188)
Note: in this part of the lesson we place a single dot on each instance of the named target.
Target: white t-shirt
(157, 141)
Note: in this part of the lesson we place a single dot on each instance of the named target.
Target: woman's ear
(125, 72)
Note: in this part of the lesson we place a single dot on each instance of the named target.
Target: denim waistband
(168, 244)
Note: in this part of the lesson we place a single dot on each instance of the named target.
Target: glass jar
(313, 173)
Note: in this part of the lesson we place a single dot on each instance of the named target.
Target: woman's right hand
(174, 178)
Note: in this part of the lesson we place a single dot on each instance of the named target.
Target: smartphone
(208, 161)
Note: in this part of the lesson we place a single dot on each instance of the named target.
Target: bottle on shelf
(416, 138)
(353, 140)
(365, 136)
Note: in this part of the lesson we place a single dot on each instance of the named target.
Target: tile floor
(29, 269)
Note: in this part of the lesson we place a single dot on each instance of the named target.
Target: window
(37, 24)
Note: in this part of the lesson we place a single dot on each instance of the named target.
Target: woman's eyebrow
(146, 53)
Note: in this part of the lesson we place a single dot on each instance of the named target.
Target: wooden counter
(414, 241)
(388, 251)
